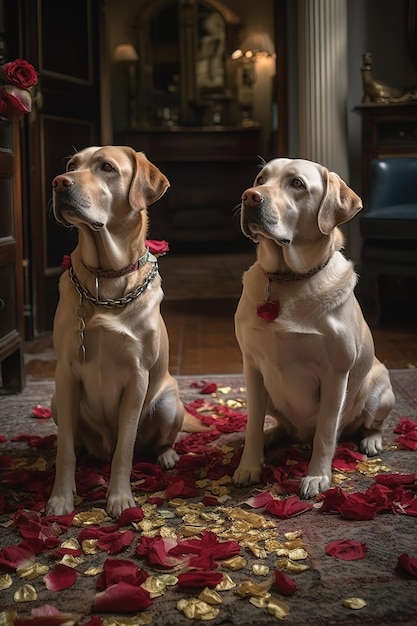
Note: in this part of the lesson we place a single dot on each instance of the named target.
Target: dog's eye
(108, 167)
(297, 183)
(260, 180)
(70, 167)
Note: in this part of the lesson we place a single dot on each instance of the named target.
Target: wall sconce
(254, 46)
(126, 53)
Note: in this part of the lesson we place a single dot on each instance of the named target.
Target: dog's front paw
(371, 443)
(312, 485)
(247, 475)
(60, 505)
(168, 458)
(117, 503)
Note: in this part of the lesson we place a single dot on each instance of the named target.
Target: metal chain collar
(129, 297)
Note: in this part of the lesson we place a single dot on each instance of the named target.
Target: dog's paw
(245, 476)
(116, 504)
(60, 505)
(312, 485)
(168, 458)
(371, 444)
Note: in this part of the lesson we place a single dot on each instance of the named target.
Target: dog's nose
(62, 182)
(252, 197)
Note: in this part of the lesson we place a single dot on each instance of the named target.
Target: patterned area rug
(207, 550)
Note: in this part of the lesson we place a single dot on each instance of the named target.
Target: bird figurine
(376, 91)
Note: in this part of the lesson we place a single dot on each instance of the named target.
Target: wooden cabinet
(208, 169)
(388, 130)
(11, 281)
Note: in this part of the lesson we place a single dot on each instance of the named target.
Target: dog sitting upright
(308, 354)
(113, 391)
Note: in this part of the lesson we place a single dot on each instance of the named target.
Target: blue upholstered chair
(389, 229)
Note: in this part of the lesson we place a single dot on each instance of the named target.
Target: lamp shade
(125, 52)
(255, 44)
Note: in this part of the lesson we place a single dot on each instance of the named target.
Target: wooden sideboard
(388, 130)
(208, 168)
(11, 277)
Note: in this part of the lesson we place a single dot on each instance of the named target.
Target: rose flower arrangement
(16, 79)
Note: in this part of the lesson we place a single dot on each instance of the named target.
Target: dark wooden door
(63, 43)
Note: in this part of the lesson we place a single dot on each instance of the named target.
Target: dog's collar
(280, 277)
(129, 297)
(102, 273)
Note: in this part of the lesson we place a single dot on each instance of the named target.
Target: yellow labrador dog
(308, 353)
(113, 391)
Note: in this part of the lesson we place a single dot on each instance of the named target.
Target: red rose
(269, 310)
(158, 248)
(20, 73)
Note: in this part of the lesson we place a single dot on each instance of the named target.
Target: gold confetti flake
(71, 544)
(5, 582)
(295, 568)
(32, 571)
(210, 596)
(294, 544)
(278, 608)
(257, 550)
(7, 618)
(260, 569)
(250, 588)
(190, 531)
(371, 467)
(166, 513)
(293, 535)
(90, 546)
(260, 603)
(226, 584)
(338, 478)
(168, 532)
(72, 561)
(224, 390)
(297, 555)
(273, 545)
(155, 586)
(26, 593)
(93, 517)
(93, 571)
(235, 563)
(169, 580)
(354, 603)
(197, 609)
(139, 620)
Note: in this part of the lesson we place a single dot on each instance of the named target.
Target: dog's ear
(148, 182)
(339, 203)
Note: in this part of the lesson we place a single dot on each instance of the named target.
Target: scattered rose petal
(122, 598)
(289, 507)
(347, 549)
(60, 578)
(134, 514)
(408, 564)
(285, 585)
(42, 412)
(200, 579)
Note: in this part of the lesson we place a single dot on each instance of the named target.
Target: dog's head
(293, 210)
(106, 186)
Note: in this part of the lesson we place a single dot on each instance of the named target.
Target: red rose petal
(197, 579)
(347, 549)
(60, 578)
(134, 514)
(122, 598)
(116, 541)
(117, 570)
(408, 564)
(285, 585)
(287, 508)
(42, 412)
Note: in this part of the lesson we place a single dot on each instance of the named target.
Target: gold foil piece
(372, 467)
(295, 534)
(32, 571)
(90, 546)
(235, 563)
(197, 609)
(169, 580)
(6, 581)
(260, 603)
(155, 586)
(72, 561)
(354, 603)
(7, 618)
(278, 608)
(210, 596)
(257, 550)
(190, 531)
(295, 568)
(260, 569)
(71, 544)
(226, 584)
(250, 588)
(297, 555)
(26, 593)
(139, 620)
(93, 517)
(93, 571)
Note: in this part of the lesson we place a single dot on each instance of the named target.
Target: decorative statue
(378, 92)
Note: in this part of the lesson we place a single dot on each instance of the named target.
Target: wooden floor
(202, 340)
